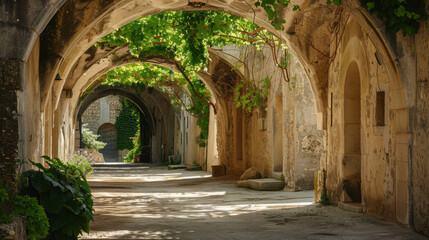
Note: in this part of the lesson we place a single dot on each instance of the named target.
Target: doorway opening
(352, 135)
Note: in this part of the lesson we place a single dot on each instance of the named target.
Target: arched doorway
(107, 133)
(352, 135)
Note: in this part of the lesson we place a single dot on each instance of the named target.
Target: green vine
(248, 96)
(184, 38)
(127, 124)
(397, 15)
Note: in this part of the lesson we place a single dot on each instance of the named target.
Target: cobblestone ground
(155, 203)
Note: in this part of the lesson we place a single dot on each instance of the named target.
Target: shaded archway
(147, 125)
(107, 133)
(351, 166)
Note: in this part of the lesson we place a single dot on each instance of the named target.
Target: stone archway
(107, 133)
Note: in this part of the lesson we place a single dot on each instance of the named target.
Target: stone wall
(103, 110)
(9, 135)
(280, 138)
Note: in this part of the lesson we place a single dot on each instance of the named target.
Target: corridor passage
(142, 202)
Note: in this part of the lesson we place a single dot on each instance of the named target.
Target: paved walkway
(155, 203)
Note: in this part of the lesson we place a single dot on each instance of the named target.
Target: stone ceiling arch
(65, 45)
(307, 34)
(95, 62)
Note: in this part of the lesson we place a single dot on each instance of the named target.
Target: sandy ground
(155, 203)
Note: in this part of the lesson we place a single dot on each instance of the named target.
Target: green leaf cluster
(184, 37)
(64, 193)
(399, 15)
(89, 139)
(137, 148)
(273, 10)
(248, 96)
(37, 223)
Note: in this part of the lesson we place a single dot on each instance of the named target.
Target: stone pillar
(9, 131)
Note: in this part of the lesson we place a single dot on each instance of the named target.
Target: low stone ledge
(263, 184)
(172, 167)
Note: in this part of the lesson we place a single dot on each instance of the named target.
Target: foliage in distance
(89, 139)
(127, 124)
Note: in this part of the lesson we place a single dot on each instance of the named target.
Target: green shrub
(89, 139)
(137, 149)
(6, 205)
(37, 223)
(64, 193)
(81, 164)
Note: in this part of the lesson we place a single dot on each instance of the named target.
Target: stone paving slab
(263, 184)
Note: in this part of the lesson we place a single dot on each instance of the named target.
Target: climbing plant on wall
(396, 15)
(127, 123)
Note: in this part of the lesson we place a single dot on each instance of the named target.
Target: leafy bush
(89, 157)
(89, 139)
(37, 223)
(137, 149)
(6, 205)
(81, 164)
(64, 193)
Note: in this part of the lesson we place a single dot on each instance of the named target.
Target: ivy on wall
(396, 15)
(127, 124)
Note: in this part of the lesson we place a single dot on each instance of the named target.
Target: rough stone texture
(10, 80)
(13, 231)
(264, 184)
(420, 164)
(97, 113)
(250, 173)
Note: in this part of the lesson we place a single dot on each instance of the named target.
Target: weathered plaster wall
(281, 136)
(303, 148)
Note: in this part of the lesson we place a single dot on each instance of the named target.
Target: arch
(107, 133)
(106, 91)
(110, 16)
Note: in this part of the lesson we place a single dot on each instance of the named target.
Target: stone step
(277, 175)
(351, 207)
(263, 184)
(194, 168)
(180, 166)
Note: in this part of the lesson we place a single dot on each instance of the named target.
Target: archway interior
(352, 134)
(107, 134)
(137, 136)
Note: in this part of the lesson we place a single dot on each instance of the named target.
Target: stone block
(173, 167)
(351, 207)
(251, 173)
(15, 230)
(195, 167)
(264, 184)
